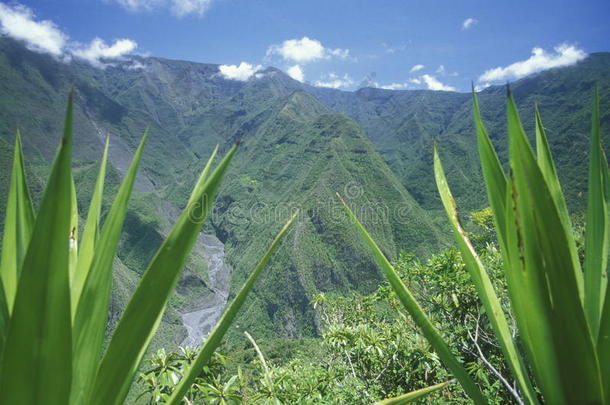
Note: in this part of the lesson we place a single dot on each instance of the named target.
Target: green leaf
(596, 234)
(73, 239)
(215, 337)
(143, 312)
(4, 321)
(417, 313)
(18, 225)
(484, 287)
(548, 305)
(90, 233)
(92, 311)
(547, 168)
(38, 367)
(414, 395)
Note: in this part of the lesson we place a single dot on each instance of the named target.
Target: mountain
(403, 125)
(299, 145)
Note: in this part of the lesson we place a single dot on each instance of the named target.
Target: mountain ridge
(299, 144)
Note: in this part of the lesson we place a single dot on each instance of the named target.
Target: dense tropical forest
(170, 236)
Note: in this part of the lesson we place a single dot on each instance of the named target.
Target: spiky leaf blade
(92, 310)
(565, 360)
(484, 287)
(145, 308)
(38, 367)
(18, 225)
(90, 233)
(596, 233)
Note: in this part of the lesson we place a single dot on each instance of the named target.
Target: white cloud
(296, 72)
(305, 50)
(41, 36)
(395, 86)
(184, 7)
(469, 22)
(98, 50)
(335, 81)
(179, 8)
(441, 70)
(434, 84)
(563, 55)
(417, 68)
(242, 72)
(482, 86)
(415, 80)
(44, 36)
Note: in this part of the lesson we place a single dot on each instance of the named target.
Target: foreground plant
(55, 287)
(562, 311)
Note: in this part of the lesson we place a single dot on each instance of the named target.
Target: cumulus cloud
(335, 81)
(469, 22)
(179, 8)
(305, 50)
(98, 50)
(417, 68)
(296, 72)
(41, 36)
(563, 55)
(44, 36)
(241, 72)
(434, 84)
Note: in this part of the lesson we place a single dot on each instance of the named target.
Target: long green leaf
(596, 234)
(38, 367)
(4, 321)
(18, 225)
(73, 239)
(549, 172)
(90, 233)
(417, 313)
(143, 312)
(494, 176)
(414, 395)
(558, 339)
(215, 337)
(92, 311)
(484, 287)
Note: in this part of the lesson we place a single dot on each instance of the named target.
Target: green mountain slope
(404, 124)
(295, 152)
(299, 145)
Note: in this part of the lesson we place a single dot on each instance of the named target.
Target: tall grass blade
(484, 287)
(414, 395)
(92, 310)
(90, 233)
(558, 338)
(417, 313)
(596, 234)
(38, 367)
(18, 225)
(143, 312)
(215, 337)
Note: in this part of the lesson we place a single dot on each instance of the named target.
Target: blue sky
(441, 45)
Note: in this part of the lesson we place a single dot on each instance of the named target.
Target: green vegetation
(560, 310)
(54, 296)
